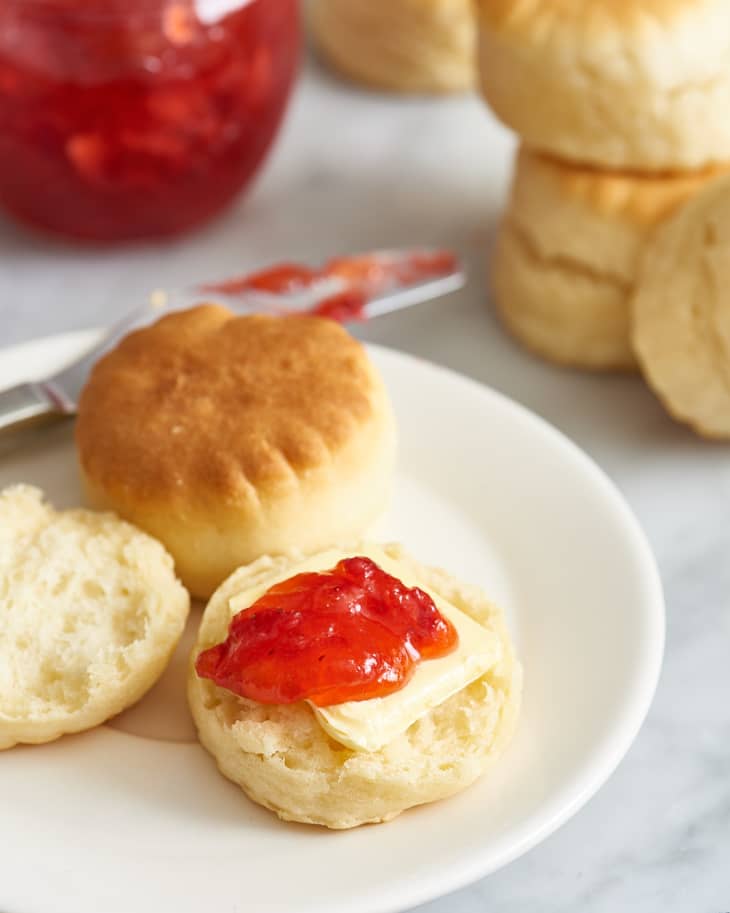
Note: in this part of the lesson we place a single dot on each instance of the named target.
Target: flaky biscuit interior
(90, 612)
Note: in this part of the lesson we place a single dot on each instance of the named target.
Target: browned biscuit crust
(223, 429)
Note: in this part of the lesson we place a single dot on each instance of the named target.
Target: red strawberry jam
(132, 118)
(344, 307)
(368, 274)
(348, 634)
(357, 279)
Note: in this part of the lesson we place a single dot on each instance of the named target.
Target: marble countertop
(354, 171)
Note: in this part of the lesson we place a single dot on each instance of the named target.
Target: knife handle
(25, 406)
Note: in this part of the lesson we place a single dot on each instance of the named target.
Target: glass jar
(123, 119)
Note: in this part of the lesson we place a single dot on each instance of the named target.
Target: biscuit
(282, 758)
(231, 437)
(568, 253)
(90, 612)
(681, 313)
(627, 84)
(399, 45)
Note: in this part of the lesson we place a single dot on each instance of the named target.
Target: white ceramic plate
(134, 815)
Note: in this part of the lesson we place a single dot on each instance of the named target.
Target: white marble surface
(354, 171)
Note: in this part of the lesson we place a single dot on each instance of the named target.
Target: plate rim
(407, 893)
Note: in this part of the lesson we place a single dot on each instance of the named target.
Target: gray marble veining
(356, 170)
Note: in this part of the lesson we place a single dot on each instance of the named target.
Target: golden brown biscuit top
(641, 198)
(534, 16)
(204, 400)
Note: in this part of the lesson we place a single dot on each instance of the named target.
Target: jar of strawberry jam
(123, 119)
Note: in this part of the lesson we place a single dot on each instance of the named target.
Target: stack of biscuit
(623, 109)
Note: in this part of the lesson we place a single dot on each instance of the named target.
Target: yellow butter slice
(369, 725)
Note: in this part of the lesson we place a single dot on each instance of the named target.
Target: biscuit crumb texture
(282, 758)
(90, 611)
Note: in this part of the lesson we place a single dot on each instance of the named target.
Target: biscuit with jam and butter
(232, 437)
(344, 688)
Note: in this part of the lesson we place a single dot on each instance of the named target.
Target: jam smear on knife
(348, 283)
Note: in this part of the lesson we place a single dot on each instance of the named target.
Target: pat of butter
(371, 724)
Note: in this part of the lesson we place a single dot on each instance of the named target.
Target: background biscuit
(400, 45)
(568, 253)
(638, 84)
(681, 313)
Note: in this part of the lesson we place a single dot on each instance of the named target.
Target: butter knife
(347, 289)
